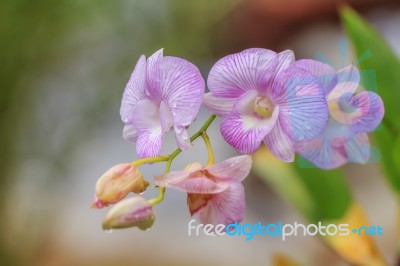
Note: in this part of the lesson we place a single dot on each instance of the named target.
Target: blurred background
(63, 68)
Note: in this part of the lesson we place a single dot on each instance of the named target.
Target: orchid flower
(215, 193)
(162, 93)
(351, 116)
(262, 97)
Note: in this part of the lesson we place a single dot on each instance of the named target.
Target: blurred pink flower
(162, 93)
(351, 116)
(215, 193)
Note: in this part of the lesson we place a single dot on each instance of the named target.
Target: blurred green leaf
(386, 66)
(319, 195)
(328, 188)
(383, 61)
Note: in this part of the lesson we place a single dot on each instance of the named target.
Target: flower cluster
(263, 98)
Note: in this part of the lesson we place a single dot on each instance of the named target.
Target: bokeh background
(63, 67)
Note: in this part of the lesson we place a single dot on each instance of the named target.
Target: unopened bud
(118, 182)
(136, 211)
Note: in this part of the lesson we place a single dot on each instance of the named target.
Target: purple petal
(325, 73)
(280, 144)
(154, 74)
(148, 125)
(358, 149)
(165, 117)
(285, 59)
(370, 108)
(237, 168)
(130, 133)
(182, 137)
(303, 108)
(322, 153)
(183, 89)
(245, 131)
(328, 150)
(177, 82)
(218, 105)
(235, 74)
(134, 90)
(224, 208)
(348, 74)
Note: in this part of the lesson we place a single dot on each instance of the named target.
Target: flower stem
(175, 153)
(150, 160)
(209, 148)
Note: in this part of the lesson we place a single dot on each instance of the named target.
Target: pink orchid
(215, 193)
(263, 98)
(163, 92)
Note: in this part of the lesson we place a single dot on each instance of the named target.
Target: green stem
(175, 153)
(209, 148)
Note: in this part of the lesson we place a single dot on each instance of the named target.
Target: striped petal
(148, 126)
(325, 73)
(218, 105)
(280, 144)
(303, 108)
(134, 90)
(237, 168)
(222, 208)
(235, 74)
(242, 129)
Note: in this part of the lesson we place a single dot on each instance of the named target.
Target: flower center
(263, 107)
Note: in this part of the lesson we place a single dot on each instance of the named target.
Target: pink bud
(136, 211)
(118, 182)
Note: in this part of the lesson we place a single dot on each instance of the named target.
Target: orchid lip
(263, 107)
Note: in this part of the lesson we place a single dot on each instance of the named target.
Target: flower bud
(116, 183)
(136, 211)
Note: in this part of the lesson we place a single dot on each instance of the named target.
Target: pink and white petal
(280, 144)
(149, 144)
(171, 178)
(196, 183)
(358, 149)
(237, 168)
(235, 74)
(322, 153)
(130, 133)
(342, 89)
(371, 110)
(285, 59)
(166, 118)
(224, 208)
(325, 73)
(134, 90)
(154, 74)
(218, 105)
(348, 74)
(348, 80)
(148, 125)
(182, 88)
(303, 108)
(245, 132)
(246, 102)
(182, 137)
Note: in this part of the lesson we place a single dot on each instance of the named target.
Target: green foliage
(317, 194)
(386, 66)
(328, 188)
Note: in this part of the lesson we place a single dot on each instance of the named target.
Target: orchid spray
(263, 98)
